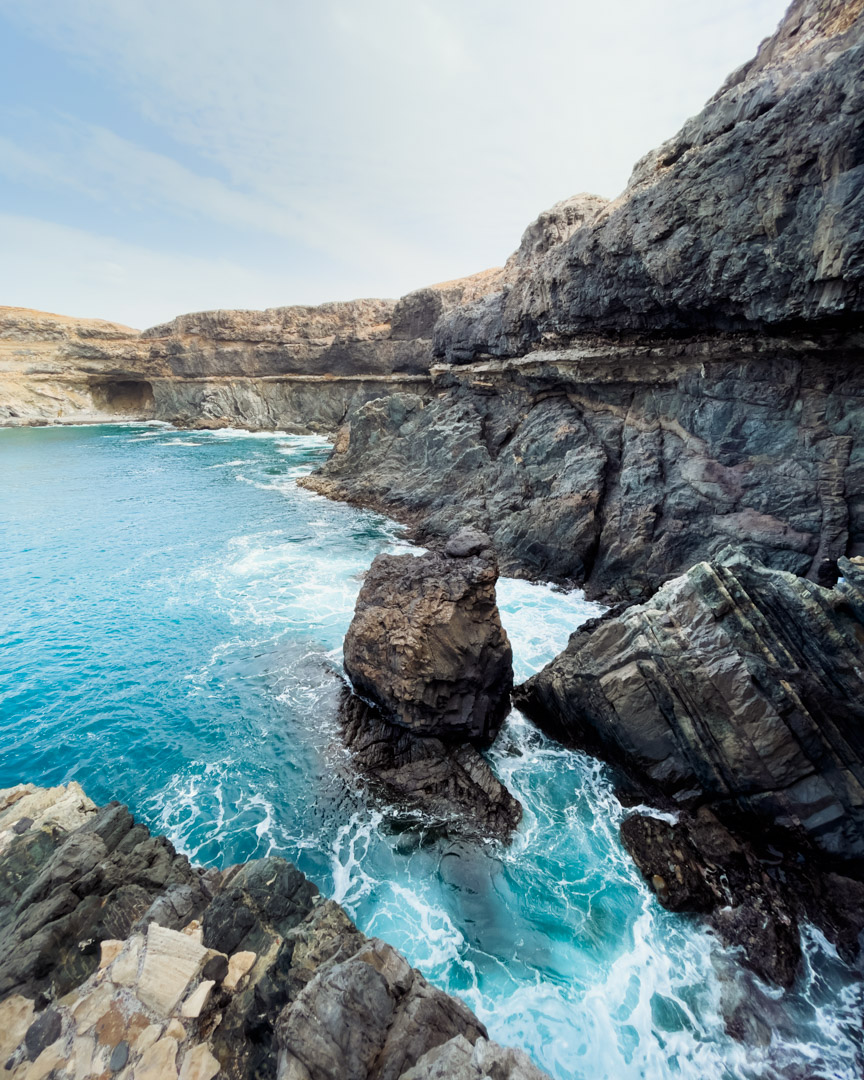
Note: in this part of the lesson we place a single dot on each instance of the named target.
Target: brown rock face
(427, 646)
(431, 663)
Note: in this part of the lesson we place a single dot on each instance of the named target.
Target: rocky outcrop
(72, 875)
(736, 690)
(243, 973)
(734, 686)
(432, 671)
(752, 215)
(426, 642)
(678, 369)
(618, 467)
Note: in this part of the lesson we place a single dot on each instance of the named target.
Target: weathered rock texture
(426, 642)
(736, 686)
(681, 369)
(619, 467)
(754, 895)
(239, 974)
(736, 692)
(432, 671)
(753, 214)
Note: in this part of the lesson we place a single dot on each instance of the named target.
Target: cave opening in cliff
(132, 397)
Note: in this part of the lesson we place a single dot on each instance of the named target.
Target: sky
(163, 156)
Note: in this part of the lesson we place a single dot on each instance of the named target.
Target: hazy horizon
(167, 157)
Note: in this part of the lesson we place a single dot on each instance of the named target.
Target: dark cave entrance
(132, 397)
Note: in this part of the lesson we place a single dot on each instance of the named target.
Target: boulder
(426, 644)
(432, 671)
(735, 686)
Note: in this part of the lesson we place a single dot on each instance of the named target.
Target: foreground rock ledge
(117, 957)
(737, 695)
(432, 669)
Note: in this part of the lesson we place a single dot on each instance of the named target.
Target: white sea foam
(554, 940)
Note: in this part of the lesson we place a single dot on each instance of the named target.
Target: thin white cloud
(408, 142)
(84, 274)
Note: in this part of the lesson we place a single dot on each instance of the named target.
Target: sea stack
(431, 668)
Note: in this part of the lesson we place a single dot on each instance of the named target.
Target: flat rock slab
(171, 961)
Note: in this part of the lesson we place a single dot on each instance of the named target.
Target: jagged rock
(368, 1018)
(432, 671)
(302, 993)
(753, 214)
(736, 686)
(426, 643)
(73, 880)
(449, 785)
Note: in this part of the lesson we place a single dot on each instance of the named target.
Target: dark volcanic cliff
(752, 215)
(683, 369)
(645, 380)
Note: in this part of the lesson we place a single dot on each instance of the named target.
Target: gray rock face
(619, 467)
(735, 686)
(64, 890)
(431, 663)
(426, 642)
(260, 978)
(752, 214)
(457, 1059)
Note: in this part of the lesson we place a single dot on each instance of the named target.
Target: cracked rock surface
(195, 974)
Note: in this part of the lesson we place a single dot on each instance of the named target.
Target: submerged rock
(432, 672)
(698, 865)
(267, 979)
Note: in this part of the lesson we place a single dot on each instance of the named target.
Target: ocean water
(170, 633)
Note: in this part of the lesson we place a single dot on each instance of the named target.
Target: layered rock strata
(192, 975)
(681, 369)
(298, 369)
(431, 669)
(736, 690)
(617, 467)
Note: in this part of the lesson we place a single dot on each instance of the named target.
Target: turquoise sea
(173, 608)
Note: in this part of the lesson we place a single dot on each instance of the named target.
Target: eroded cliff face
(751, 216)
(297, 368)
(120, 957)
(53, 366)
(619, 466)
(679, 368)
